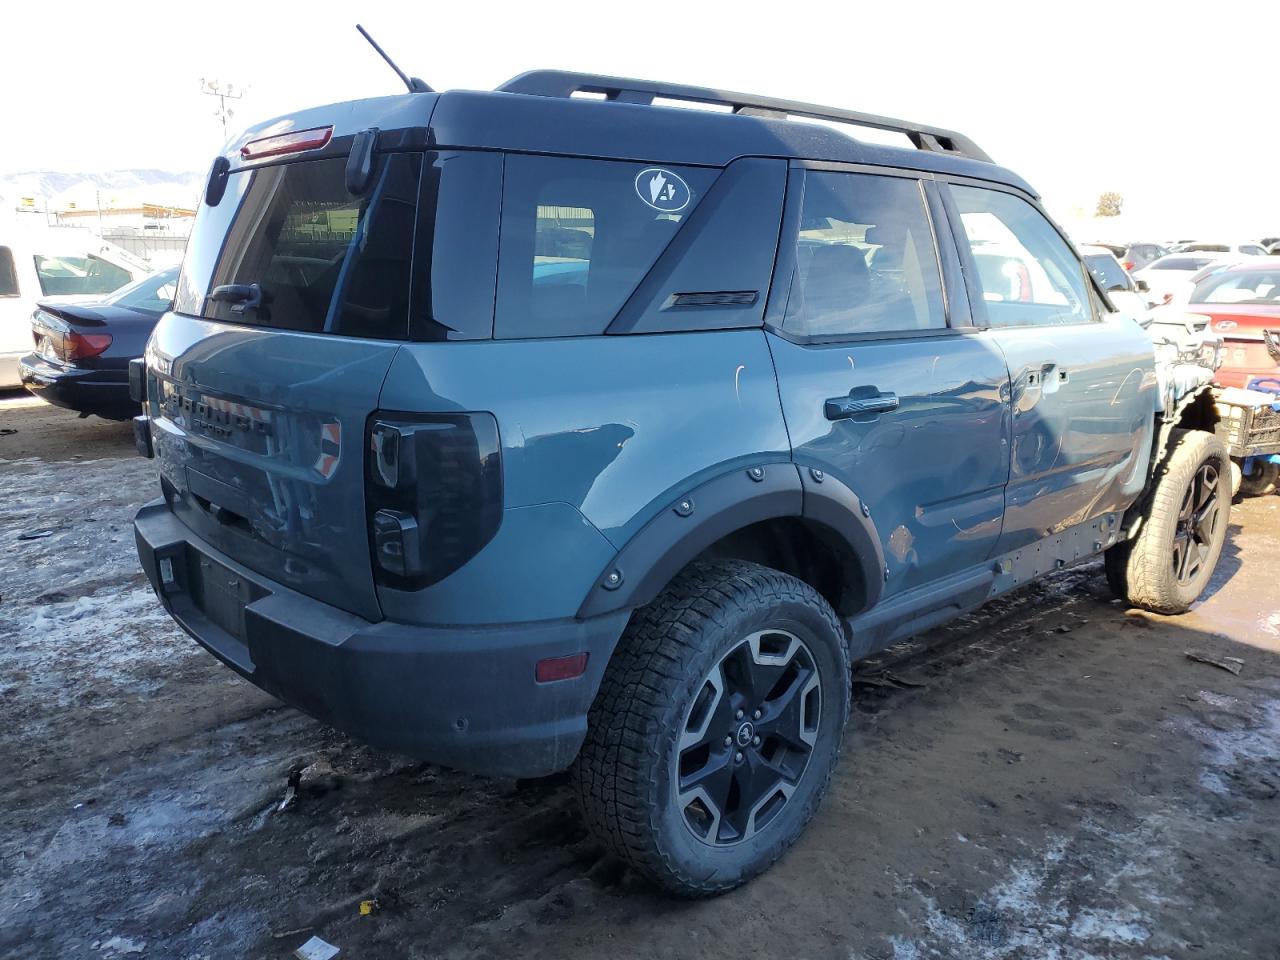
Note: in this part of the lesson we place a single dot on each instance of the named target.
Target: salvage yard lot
(1050, 777)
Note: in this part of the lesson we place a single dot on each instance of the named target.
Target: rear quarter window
(578, 236)
(326, 261)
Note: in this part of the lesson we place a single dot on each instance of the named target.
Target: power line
(214, 88)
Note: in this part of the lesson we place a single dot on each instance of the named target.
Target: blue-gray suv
(555, 427)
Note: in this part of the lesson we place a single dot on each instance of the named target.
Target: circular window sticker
(662, 190)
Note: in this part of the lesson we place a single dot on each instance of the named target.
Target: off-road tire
(1141, 570)
(1261, 482)
(623, 775)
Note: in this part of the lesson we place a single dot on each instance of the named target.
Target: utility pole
(213, 88)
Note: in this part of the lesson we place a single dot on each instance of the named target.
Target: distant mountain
(113, 188)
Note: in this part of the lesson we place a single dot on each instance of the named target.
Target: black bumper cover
(101, 392)
(464, 697)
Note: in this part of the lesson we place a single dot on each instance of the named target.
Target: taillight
(81, 346)
(433, 494)
(295, 142)
(55, 340)
(1128, 264)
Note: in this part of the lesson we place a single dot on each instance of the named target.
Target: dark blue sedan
(83, 349)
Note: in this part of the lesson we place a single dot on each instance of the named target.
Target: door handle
(861, 400)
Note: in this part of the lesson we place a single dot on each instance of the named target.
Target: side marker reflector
(561, 668)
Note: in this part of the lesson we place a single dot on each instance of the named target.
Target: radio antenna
(413, 83)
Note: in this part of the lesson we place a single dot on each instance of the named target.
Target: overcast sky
(1172, 105)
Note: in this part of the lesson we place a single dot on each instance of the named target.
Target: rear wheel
(1261, 482)
(716, 728)
(1167, 565)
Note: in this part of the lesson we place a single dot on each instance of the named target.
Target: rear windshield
(1109, 274)
(324, 260)
(1245, 286)
(1182, 263)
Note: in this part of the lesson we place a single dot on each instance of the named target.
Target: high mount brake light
(295, 142)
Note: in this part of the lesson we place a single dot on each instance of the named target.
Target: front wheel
(1167, 565)
(716, 728)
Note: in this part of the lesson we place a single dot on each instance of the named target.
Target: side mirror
(1143, 286)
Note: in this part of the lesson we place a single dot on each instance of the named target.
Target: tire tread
(616, 770)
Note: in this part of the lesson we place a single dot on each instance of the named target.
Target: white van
(39, 262)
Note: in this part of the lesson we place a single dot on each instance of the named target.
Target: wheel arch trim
(696, 520)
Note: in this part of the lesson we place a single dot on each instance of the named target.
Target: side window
(8, 274)
(1029, 275)
(578, 236)
(78, 275)
(865, 260)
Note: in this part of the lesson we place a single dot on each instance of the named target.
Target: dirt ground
(1056, 779)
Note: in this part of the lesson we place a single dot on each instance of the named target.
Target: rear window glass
(1182, 263)
(324, 260)
(1109, 274)
(578, 236)
(60, 276)
(1246, 286)
(8, 275)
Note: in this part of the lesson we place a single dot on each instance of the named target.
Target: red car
(1242, 303)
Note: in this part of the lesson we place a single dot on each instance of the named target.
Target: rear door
(879, 390)
(1083, 383)
(292, 301)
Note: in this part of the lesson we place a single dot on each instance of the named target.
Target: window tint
(1246, 286)
(8, 274)
(578, 236)
(153, 292)
(326, 261)
(1182, 263)
(865, 261)
(1028, 274)
(1109, 274)
(78, 275)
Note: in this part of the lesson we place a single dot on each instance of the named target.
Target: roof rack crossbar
(564, 84)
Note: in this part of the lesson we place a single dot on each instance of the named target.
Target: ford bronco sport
(523, 431)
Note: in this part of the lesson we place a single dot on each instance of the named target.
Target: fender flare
(706, 514)
(830, 503)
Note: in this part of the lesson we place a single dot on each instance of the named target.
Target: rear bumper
(101, 392)
(464, 697)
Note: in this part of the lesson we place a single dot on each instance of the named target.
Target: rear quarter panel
(598, 434)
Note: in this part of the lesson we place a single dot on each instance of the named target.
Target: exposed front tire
(716, 728)
(1167, 565)
(1261, 482)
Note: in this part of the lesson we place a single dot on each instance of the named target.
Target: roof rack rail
(564, 84)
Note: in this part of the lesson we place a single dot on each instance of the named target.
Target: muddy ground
(1058, 781)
